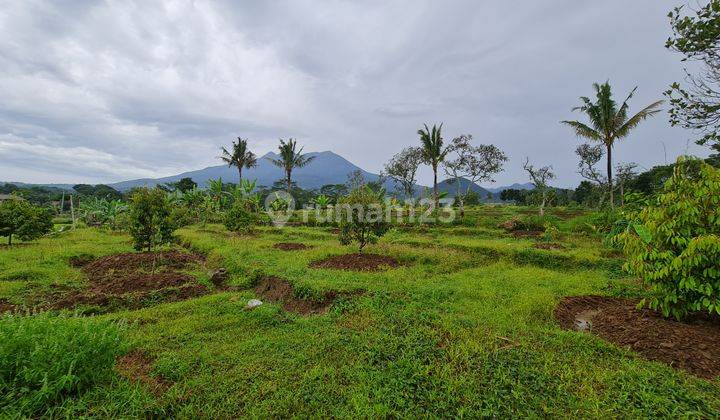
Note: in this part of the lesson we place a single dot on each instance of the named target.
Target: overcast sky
(108, 91)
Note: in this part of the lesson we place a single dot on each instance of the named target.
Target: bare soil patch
(357, 262)
(136, 366)
(129, 279)
(291, 246)
(690, 345)
(549, 246)
(6, 306)
(275, 289)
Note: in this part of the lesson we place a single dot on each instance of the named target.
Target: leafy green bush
(150, 222)
(531, 222)
(181, 216)
(240, 219)
(361, 217)
(19, 217)
(674, 242)
(100, 211)
(45, 359)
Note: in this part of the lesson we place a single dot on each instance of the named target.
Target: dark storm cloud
(105, 91)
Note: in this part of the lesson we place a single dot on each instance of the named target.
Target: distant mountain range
(326, 168)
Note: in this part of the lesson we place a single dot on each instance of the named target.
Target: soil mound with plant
(291, 246)
(357, 262)
(136, 367)
(691, 345)
(130, 278)
(277, 290)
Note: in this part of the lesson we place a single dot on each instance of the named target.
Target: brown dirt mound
(131, 261)
(140, 282)
(690, 345)
(275, 289)
(136, 366)
(357, 262)
(6, 306)
(128, 279)
(549, 246)
(290, 246)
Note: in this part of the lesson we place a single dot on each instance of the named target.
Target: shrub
(674, 242)
(150, 222)
(27, 221)
(181, 216)
(240, 219)
(530, 222)
(46, 358)
(362, 217)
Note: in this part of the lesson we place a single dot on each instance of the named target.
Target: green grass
(463, 328)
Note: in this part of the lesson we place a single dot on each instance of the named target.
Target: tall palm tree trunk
(435, 188)
(289, 181)
(239, 174)
(609, 174)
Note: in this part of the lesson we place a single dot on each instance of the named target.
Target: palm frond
(582, 130)
(633, 121)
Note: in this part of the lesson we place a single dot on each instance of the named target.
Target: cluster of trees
(462, 161)
(20, 218)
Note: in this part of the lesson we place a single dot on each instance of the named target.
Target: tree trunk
(622, 194)
(289, 181)
(239, 175)
(10, 240)
(435, 188)
(542, 205)
(609, 174)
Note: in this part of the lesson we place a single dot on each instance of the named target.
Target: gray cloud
(106, 91)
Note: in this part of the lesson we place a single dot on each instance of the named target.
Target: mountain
(450, 187)
(515, 186)
(66, 187)
(326, 168)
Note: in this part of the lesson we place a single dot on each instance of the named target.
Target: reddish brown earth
(357, 262)
(6, 306)
(275, 289)
(126, 279)
(136, 366)
(691, 345)
(290, 246)
(548, 245)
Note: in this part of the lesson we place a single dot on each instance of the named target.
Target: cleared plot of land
(463, 324)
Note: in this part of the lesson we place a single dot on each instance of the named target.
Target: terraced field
(455, 321)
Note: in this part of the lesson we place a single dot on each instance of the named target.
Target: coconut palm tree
(433, 152)
(240, 157)
(608, 122)
(290, 158)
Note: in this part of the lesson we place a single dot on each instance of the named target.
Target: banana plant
(322, 201)
(99, 211)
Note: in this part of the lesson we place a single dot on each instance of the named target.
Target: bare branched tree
(589, 157)
(625, 172)
(474, 163)
(402, 169)
(540, 177)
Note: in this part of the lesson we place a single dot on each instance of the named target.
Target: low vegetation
(238, 300)
(674, 242)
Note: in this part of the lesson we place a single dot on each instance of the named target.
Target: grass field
(463, 327)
